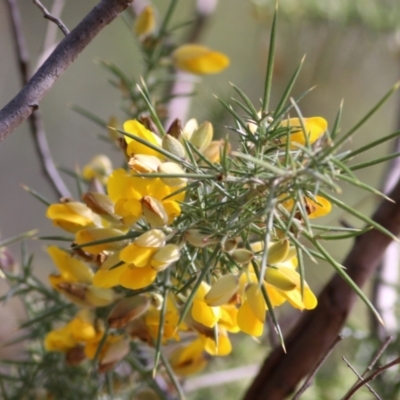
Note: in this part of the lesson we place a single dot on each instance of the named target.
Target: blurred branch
(371, 377)
(380, 351)
(27, 100)
(384, 292)
(361, 379)
(315, 331)
(183, 86)
(35, 119)
(51, 17)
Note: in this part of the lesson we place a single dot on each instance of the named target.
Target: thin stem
(35, 119)
(52, 18)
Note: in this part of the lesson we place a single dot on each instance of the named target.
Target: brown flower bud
(127, 310)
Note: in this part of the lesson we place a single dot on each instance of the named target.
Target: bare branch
(50, 37)
(378, 354)
(35, 119)
(371, 377)
(27, 100)
(361, 379)
(52, 18)
(316, 330)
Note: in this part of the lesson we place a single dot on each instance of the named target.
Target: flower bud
(230, 244)
(173, 146)
(197, 59)
(115, 352)
(198, 239)
(127, 310)
(102, 205)
(154, 212)
(213, 151)
(278, 251)
(164, 257)
(96, 234)
(171, 168)
(99, 297)
(144, 164)
(151, 238)
(175, 129)
(99, 167)
(202, 136)
(145, 24)
(283, 281)
(189, 128)
(242, 256)
(222, 291)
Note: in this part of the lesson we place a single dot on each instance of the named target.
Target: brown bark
(27, 100)
(316, 330)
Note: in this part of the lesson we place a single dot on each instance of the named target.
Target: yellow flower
(114, 348)
(145, 24)
(314, 208)
(79, 330)
(222, 291)
(152, 321)
(60, 340)
(251, 314)
(72, 216)
(199, 60)
(135, 128)
(93, 234)
(75, 281)
(201, 311)
(99, 167)
(131, 194)
(189, 359)
(314, 127)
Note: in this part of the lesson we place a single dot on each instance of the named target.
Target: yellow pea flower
(75, 281)
(72, 216)
(145, 23)
(315, 127)
(99, 167)
(135, 128)
(60, 340)
(201, 311)
(197, 59)
(189, 359)
(93, 234)
(314, 208)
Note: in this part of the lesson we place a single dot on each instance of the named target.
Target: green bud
(202, 136)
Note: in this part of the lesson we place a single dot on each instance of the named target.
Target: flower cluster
(161, 248)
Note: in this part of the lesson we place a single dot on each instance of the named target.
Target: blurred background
(352, 50)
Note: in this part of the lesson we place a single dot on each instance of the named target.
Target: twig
(316, 330)
(27, 100)
(378, 354)
(35, 119)
(371, 377)
(361, 379)
(308, 382)
(50, 37)
(52, 18)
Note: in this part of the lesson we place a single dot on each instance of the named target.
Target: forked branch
(27, 100)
